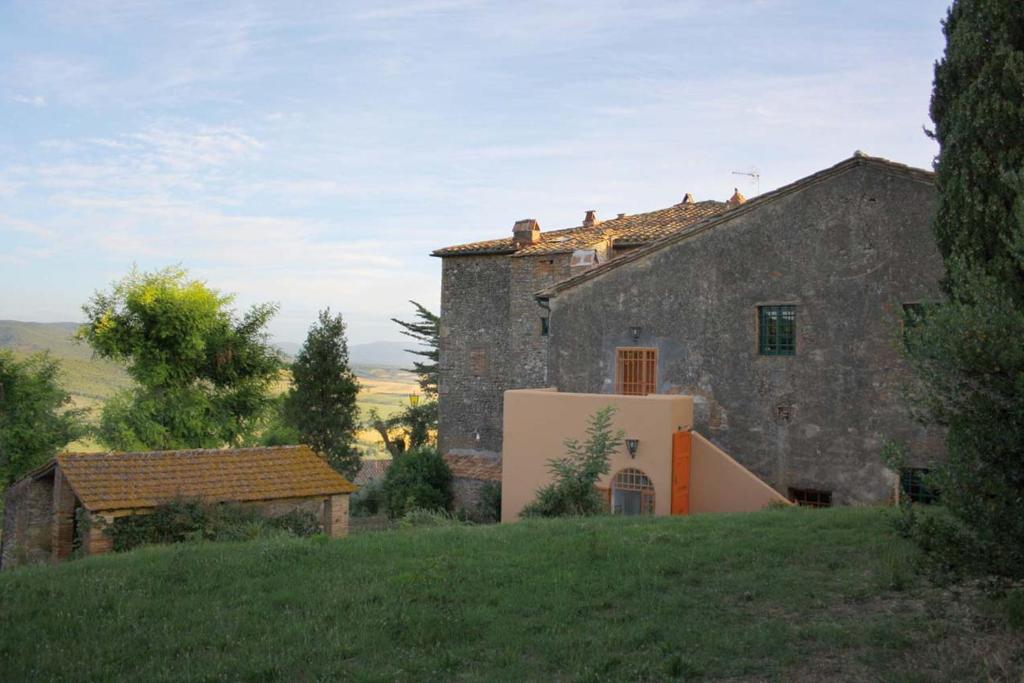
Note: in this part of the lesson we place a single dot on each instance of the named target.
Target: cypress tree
(321, 405)
(968, 352)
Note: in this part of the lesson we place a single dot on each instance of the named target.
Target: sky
(312, 154)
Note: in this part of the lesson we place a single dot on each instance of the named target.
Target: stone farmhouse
(44, 511)
(780, 316)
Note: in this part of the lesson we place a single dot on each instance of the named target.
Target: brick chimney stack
(590, 219)
(736, 199)
(526, 232)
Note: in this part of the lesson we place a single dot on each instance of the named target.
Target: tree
(35, 421)
(321, 405)
(426, 330)
(413, 427)
(573, 492)
(967, 352)
(420, 480)
(203, 375)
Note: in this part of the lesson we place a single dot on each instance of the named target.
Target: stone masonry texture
(847, 251)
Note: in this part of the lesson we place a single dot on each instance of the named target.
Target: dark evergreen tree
(321, 405)
(968, 352)
(426, 330)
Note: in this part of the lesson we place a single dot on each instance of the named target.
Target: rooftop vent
(590, 219)
(526, 232)
(736, 199)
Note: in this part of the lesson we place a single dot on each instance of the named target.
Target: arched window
(632, 493)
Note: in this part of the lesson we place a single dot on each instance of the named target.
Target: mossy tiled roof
(631, 230)
(116, 481)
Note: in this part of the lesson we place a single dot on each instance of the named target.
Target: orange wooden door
(682, 449)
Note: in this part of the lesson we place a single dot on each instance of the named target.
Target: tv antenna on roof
(756, 177)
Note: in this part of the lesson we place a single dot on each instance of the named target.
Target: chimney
(688, 199)
(736, 199)
(590, 220)
(526, 232)
(621, 215)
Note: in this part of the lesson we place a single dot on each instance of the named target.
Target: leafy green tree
(321, 404)
(35, 420)
(967, 351)
(426, 329)
(412, 428)
(203, 375)
(573, 492)
(419, 480)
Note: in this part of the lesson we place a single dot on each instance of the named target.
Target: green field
(91, 381)
(787, 595)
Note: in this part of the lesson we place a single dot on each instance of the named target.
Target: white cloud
(31, 100)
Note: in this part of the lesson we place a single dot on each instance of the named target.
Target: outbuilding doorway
(632, 493)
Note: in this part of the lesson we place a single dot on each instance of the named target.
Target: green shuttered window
(777, 330)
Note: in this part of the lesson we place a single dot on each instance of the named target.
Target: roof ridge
(859, 158)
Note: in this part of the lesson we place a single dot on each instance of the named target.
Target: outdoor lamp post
(414, 400)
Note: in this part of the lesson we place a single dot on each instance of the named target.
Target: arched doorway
(632, 493)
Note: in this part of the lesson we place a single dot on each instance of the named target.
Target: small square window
(915, 486)
(777, 330)
(545, 327)
(811, 498)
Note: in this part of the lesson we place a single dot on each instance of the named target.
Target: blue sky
(314, 153)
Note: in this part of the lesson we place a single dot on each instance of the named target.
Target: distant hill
(377, 354)
(89, 380)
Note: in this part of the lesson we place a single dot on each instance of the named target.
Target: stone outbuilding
(68, 502)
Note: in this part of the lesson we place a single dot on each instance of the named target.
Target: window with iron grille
(632, 493)
(636, 371)
(914, 485)
(776, 330)
(811, 498)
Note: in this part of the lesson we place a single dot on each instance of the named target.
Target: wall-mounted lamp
(635, 332)
(631, 446)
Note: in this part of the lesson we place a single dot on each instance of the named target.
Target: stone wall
(528, 347)
(466, 497)
(848, 251)
(28, 518)
(474, 351)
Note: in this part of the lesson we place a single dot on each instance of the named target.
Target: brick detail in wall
(336, 516)
(63, 524)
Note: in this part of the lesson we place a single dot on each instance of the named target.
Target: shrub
(192, 520)
(369, 500)
(488, 508)
(572, 492)
(428, 518)
(418, 479)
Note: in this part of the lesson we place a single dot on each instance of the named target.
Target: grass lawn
(788, 595)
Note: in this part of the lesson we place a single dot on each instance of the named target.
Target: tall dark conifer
(321, 404)
(968, 352)
(426, 330)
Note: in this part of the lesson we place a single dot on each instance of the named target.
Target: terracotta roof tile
(631, 230)
(474, 467)
(371, 471)
(115, 481)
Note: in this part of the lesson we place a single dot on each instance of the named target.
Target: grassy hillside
(91, 381)
(795, 595)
